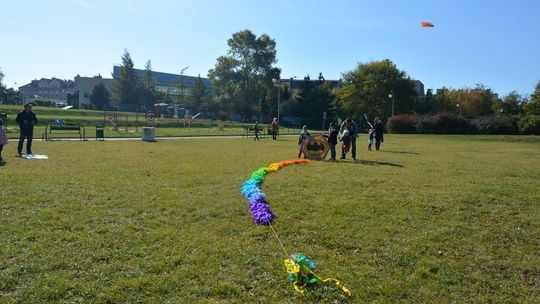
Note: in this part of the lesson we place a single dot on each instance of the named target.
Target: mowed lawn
(430, 219)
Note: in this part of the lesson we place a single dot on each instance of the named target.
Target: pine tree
(127, 83)
(100, 96)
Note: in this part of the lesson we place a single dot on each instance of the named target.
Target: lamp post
(391, 95)
(459, 108)
(182, 84)
(276, 83)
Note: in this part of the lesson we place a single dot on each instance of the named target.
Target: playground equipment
(115, 120)
(188, 118)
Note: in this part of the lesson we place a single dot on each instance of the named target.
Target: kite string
(279, 240)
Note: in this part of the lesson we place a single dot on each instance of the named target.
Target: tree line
(244, 83)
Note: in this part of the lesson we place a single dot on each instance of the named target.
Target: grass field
(431, 219)
(90, 118)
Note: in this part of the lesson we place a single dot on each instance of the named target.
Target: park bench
(64, 129)
(251, 130)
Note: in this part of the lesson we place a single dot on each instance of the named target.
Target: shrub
(496, 125)
(403, 124)
(444, 123)
(530, 124)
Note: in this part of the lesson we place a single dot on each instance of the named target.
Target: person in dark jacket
(379, 130)
(332, 140)
(26, 120)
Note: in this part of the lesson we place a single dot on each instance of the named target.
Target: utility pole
(182, 85)
(392, 95)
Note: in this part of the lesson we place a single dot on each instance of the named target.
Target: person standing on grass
(379, 130)
(346, 138)
(332, 140)
(303, 136)
(256, 130)
(370, 140)
(275, 128)
(26, 120)
(3, 139)
(350, 125)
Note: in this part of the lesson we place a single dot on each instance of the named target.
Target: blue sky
(494, 43)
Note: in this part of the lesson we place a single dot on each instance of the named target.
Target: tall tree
(127, 83)
(243, 76)
(533, 106)
(314, 98)
(443, 102)
(199, 94)
(367, 89)
(1, 79)
(150, 94)
(511, 103)
(100, 96)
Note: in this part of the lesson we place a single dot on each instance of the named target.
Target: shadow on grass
(400, 152)
(365, 162)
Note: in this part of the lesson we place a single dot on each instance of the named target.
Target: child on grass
(371, 135)
(301, 139)
(332, 140)
(3, 139)
(346, 138)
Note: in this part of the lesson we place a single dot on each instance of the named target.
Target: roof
(164, 78)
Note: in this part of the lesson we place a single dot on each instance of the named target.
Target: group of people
(347, 134)
(26, 120)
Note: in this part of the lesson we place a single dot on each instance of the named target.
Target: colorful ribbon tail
(299, 288)
(337, 282)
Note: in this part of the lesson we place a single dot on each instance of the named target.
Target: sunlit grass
(429, 219)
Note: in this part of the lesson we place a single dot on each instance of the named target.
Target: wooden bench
(251, 129)
(65, 129)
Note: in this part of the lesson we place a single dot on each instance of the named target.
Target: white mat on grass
(34, 156)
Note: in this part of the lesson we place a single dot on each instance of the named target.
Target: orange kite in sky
(427, 24)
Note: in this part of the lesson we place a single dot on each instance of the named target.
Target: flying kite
(427, 24)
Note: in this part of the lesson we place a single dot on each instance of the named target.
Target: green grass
(91, 118)
(430, 219)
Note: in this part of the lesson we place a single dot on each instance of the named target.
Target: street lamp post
(182, 84)
(391, 95)
(276, 83)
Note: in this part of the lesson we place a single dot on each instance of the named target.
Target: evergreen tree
(150, 95)
(199, 94)
(314, 98)
(127, 83)
(100, 96)
(1, 80)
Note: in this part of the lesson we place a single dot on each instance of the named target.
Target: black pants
(378, 141)
(28, 134)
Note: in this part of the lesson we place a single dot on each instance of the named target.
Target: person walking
(26, 120)
(256, 130)
(275, 128)
(379, 130)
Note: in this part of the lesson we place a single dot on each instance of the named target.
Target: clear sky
(491, 42)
